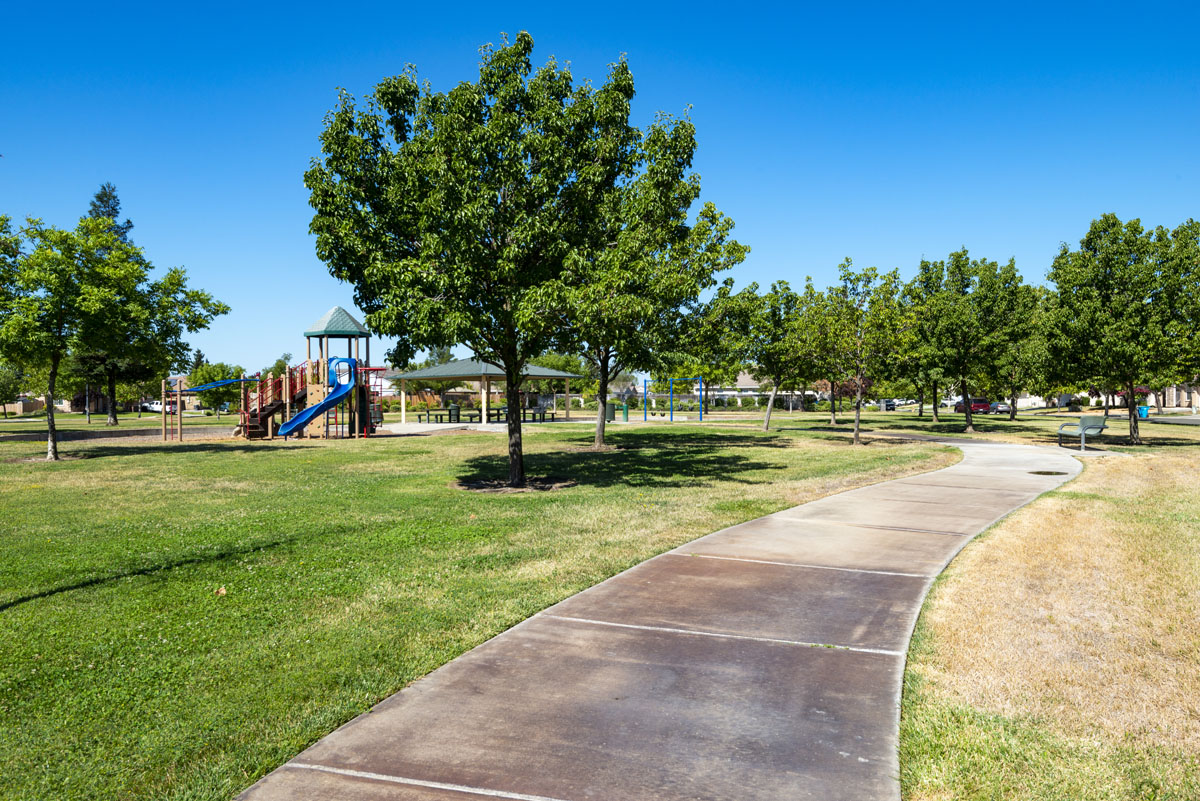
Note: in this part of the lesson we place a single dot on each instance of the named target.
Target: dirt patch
(500, 485)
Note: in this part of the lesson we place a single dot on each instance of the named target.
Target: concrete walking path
(760, 663)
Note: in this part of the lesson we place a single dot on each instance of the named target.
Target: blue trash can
(1143, 412)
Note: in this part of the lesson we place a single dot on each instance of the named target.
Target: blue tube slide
(343, 385)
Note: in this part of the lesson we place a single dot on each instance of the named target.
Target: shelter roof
(471, 369)
(337, 322)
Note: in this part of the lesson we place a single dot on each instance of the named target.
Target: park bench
(1088, 425)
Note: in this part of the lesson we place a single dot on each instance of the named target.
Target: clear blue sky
(882, 133)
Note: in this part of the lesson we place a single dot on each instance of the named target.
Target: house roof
(473, 369)
(337, 322)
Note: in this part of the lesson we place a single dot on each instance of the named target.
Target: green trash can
(625, 412)
(453, 414)
(610, 412)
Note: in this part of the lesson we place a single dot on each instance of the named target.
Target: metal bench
(1088, 425)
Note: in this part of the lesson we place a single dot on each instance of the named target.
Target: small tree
(643, 261)
(218, 371)
(872, 327)
(772, 340)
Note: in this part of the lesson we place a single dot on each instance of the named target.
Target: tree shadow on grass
(148, 570)
(644, 460)
(185, 447)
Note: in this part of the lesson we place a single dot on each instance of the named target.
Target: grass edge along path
(191, 616)
(1058, 656)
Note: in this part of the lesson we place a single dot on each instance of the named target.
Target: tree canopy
(1123, 306)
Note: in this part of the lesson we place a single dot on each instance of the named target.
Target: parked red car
(978, 406)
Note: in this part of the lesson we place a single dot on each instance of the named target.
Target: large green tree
(1122, 307)
(58, 288)
(453, 214)
(138, 334)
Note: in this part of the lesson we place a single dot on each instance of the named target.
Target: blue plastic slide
(343, 385)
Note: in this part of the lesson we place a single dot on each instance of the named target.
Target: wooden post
(163, 409)
(271, 394)
(567, 416)
(245, 407)
(403, 401)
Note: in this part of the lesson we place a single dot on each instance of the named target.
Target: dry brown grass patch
(1082, 609)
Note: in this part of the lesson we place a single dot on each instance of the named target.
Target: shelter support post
(567, 413)
(403, 401)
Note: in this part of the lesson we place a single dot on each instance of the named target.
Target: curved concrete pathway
(760, 663)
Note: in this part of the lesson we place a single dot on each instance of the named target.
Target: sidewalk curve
(759, 663)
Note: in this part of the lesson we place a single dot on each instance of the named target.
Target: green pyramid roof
(337, 322)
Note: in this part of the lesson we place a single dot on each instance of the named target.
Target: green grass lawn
(178, 619)
(71, 421)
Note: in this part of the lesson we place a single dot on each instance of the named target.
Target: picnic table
(500, 415)
(448, 416)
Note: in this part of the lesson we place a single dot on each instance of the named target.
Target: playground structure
(334, 396)
(671, 385)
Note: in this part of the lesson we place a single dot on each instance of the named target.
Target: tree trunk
(935, 400)
(920, 403)
(112, 399)
(51, 431)
(516, 458)
(1107, 402)
(1135, 436)
(1012, 409)
(87, 402)
(962, 386)
(1158, 398)
(601, 403)
(858, 410)
(770, 406)
(832, 405)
